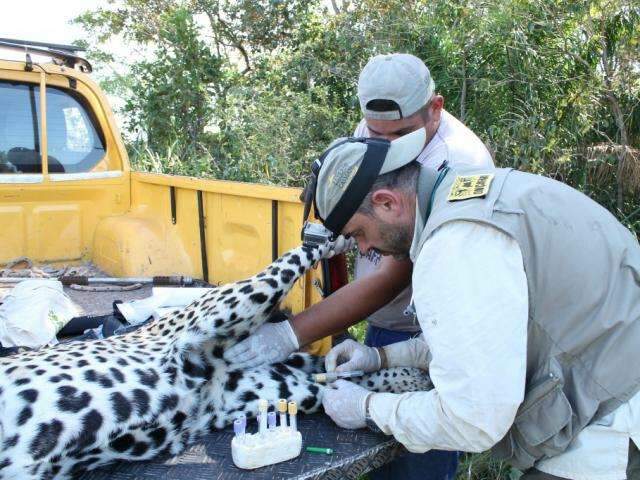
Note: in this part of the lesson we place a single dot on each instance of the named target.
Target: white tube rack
(254, 450)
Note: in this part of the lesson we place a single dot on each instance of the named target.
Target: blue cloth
(432, 465)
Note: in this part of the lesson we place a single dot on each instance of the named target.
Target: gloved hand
(345, 404)
(340, 245)
(271, 342)
(355, 357)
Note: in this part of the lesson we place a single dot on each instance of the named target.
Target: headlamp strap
(307, 196)
(359, 186)
(309, 192)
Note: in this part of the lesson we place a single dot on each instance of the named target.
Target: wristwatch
(371, 425)
(384, 362)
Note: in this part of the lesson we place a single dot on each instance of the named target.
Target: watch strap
(384, 362)
(371, 425)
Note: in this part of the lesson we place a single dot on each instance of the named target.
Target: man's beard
(395, 240)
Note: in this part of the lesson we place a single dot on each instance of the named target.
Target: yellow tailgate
(215, 230)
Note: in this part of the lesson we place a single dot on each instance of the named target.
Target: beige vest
(583, 275)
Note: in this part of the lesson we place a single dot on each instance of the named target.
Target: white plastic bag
(162, 301)
(33, 312)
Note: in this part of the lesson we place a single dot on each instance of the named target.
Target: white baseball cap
(341, 164)
(400, 79)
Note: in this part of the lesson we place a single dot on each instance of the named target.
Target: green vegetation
(254, 90)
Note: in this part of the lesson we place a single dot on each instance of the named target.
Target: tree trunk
(463, 90)
(619, 117)
(623, 150)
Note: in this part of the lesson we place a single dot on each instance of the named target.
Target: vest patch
(471, 186)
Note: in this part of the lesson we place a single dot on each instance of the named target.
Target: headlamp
(352, 197)
(315, 234)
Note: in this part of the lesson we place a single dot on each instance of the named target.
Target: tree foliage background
(253, 90)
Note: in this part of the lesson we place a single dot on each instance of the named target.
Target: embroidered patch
(472, 186)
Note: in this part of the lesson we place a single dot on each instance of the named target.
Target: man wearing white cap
(528, 296)
(397, 96)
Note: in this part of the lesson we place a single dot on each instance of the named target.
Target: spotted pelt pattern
(70, 408)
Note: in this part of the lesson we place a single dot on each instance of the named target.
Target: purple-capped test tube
(271, 420)
(240, 426)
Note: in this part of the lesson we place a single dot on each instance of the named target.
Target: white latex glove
(345, 404)
(271, 342)
(410, 353)
(355, 357)
(340, 245)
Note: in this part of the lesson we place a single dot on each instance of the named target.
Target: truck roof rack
(66, 54)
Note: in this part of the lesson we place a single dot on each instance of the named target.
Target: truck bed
(88, 302)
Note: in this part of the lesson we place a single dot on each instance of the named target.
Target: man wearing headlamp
(528, 296)
(397, 96)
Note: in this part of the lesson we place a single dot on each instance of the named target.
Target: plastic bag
(164, 300)
(33, 312)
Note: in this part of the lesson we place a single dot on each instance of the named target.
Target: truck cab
(68, 194)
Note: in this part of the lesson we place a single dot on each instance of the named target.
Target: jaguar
(72, 407)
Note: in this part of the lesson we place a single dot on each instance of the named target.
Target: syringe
(329, 377)
(282, 408)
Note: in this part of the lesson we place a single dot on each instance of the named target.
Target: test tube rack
(272, 443)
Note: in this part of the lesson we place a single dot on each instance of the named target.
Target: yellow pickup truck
(68, 195)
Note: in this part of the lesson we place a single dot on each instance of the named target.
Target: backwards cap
(401, 80)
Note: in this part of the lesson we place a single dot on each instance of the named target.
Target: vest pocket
(542, 427)
(543, 414)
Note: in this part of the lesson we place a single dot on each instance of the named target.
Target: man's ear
(386, 200)
(436, 105)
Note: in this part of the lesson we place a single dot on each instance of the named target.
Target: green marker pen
(328, 451)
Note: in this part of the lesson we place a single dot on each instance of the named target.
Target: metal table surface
(355, 453)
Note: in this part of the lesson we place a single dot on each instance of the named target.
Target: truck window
(20, 128)
(75, 142)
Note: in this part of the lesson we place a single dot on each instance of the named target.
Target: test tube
(293, 410)
(243, 420)
(271, 420)
(239, 427)
(282, 408)
(262, 421)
